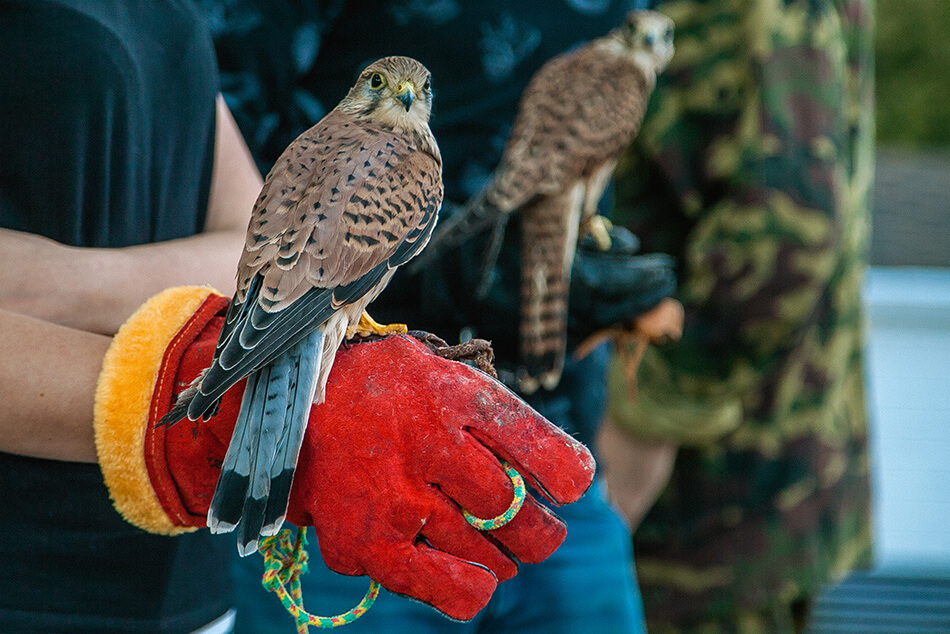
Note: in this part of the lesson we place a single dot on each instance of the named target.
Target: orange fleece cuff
(123, 398)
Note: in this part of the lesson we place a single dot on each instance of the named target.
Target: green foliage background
(913, 73)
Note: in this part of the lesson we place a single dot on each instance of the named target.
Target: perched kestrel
(577, 114)
(348, 201)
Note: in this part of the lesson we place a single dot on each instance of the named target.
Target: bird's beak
(405, 94)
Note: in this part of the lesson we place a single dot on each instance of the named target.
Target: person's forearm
(48, 376)
(97, 289)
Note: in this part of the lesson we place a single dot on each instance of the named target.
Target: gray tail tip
(218, 527)
(249, 548)
(269, 530)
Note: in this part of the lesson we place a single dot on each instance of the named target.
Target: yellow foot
(599, 227)
(369, 327)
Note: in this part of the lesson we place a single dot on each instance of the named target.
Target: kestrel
(576, 116)
(348, 201)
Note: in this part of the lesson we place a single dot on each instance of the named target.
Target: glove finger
(533, 534)
(448, 531)
(483, 488)
(455, 587)
(556, 465)
(474, 479)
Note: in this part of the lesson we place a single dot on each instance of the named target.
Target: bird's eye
(668, 35)
(376, 81)
(649, 39)
(427, 85)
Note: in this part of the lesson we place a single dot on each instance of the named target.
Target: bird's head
(393, 91)
(648, 36)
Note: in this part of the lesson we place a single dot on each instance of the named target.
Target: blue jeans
(587, 586)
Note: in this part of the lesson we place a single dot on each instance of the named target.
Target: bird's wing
(340, 200)
(343, 205)
(580, 109)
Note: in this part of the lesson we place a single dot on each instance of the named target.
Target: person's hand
(619, 296)
(405, 441)
(609, 291)
(636, 471)
(614, 287)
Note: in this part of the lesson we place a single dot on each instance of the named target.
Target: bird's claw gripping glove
(403, 443)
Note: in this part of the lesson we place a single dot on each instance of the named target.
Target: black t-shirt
(106, 140)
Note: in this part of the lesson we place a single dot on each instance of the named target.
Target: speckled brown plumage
(576, 116)
(347, 202)
(339, 200)
(567, 128)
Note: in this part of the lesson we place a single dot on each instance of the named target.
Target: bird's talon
(599, 229)
(369, 327)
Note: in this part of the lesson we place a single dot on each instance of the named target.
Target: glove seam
(164, 481)
(124, 402)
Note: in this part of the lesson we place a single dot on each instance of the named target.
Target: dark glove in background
(614, 287)
(607, 288)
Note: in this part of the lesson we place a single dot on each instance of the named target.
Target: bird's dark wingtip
(185, 404)
(180, 409)
(227, 504)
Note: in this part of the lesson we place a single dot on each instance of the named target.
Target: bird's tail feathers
(300, 398)
(254, 486)
(547, 254)
(227, 504)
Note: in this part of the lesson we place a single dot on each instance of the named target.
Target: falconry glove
(403, 443)
(615, 286)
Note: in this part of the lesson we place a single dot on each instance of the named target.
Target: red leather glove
(404, 441)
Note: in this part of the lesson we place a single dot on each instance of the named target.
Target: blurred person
(121, 174)
(281, 66)
(754, 169)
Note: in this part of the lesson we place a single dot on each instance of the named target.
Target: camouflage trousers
(781, 618)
